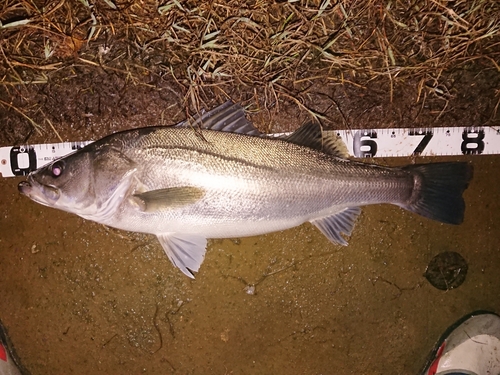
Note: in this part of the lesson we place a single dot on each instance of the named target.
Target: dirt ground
(78, 297)
(81, 298)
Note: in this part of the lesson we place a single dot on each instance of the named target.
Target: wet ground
(78, 297)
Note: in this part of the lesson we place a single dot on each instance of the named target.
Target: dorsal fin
(311, 135)
(227, 117)
(334, 145)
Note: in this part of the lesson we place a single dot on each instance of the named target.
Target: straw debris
(270, 51)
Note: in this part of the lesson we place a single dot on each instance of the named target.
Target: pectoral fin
(168, 198)
(342, 223)
(185, 251)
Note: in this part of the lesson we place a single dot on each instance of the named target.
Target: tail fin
(438, 190)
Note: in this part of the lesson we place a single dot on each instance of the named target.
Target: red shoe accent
(434, 366)
(3, 353)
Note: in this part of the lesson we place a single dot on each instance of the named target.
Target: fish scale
(297, 173)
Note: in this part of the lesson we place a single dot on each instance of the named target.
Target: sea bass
(217, 177)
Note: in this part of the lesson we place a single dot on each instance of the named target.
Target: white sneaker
(471, 346)
(7, 364)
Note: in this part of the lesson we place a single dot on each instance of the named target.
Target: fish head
(85, 183)
(65, 183)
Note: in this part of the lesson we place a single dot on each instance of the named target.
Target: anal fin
(185, 251)
(341, 223)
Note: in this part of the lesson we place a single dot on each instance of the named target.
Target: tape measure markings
(20, 160)
(361, 143)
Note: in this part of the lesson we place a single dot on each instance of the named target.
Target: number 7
(427, 136)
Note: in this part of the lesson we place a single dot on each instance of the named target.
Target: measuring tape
(21, 160)
(400, 142)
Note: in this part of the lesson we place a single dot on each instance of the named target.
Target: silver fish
(218, 177)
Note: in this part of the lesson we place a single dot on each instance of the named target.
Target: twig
(37, 127)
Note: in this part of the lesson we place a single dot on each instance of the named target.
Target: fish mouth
(43, 194)
(24, 188)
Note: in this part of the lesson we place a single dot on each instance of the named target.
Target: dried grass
(280, 48)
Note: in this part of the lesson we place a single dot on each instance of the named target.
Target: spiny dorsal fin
(228, 117)
(156, 200)
(311, 135)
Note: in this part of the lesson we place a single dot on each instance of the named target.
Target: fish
(217, 176)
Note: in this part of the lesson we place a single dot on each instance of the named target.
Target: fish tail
(438, 190)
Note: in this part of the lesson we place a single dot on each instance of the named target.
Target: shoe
(8, 366)
(471, 346)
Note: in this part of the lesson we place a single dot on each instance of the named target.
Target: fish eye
(57, 169)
